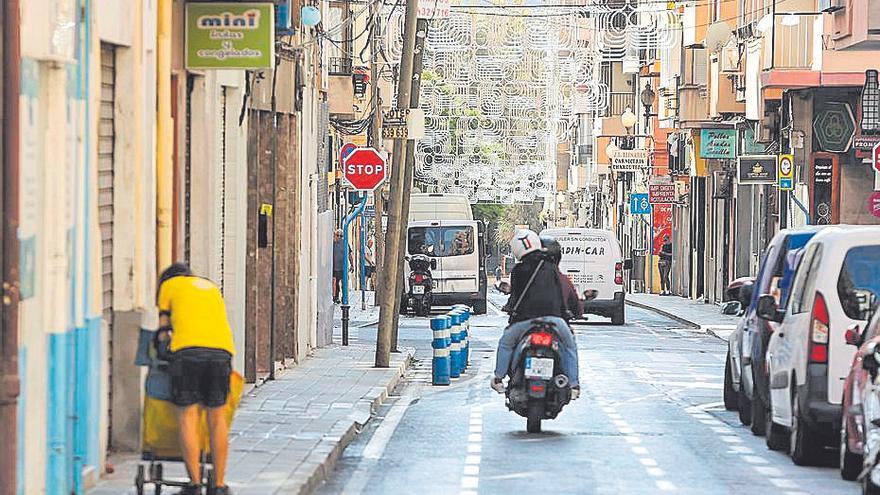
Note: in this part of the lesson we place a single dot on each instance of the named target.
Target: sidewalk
(695, 314)
(289, 433)
(357, 316)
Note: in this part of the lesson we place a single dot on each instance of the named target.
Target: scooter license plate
(539, 368)
(418, 289)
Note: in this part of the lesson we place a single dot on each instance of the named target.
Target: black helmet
(551, 248)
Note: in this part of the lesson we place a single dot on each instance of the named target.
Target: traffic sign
(874, 203)
(639, 204)
(876, 156)
(786, 172)
(346, 150)
(661, 193)
(365, 169)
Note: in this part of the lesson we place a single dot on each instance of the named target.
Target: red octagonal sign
(365, 169)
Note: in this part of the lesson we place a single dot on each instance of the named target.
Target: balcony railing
(340, 66)
(619, 102)
(794, 43)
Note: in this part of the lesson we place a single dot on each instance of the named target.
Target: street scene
(439, 246)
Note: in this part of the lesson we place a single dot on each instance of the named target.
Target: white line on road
(666, 486)
(470, 479)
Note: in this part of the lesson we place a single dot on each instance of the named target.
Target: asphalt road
(650, 421)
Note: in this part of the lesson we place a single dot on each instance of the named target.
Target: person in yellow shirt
(193, 314)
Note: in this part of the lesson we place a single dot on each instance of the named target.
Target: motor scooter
(538, 389)
(421, 284)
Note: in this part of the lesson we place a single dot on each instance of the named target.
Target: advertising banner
(718, 143)
(230, 35)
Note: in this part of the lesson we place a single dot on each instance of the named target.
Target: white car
(808, 358)
(593, 261)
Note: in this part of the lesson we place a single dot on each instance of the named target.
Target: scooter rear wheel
(533, 421)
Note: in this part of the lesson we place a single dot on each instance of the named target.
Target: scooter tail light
(819, 330)
(542, 339)
(618, 273)
(418, 277)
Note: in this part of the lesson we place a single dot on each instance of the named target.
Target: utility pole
(9, 379)
(418, 59)
(391, 263)
(376, 142)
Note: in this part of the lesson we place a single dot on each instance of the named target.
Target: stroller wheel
(139, 480)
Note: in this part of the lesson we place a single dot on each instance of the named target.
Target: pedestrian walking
(665, 265)
(370, 264)
(497, 274)
(192, 315)
(338, 262)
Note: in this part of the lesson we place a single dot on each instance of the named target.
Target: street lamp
(628, 119)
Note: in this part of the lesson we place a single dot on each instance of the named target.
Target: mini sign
(230, 35)
(394, 123)
(661, 193)
(718, 143)
(758, 169)
(629, 160)
(786, 172)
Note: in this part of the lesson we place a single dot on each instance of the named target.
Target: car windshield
(441, 241)
(859, 283)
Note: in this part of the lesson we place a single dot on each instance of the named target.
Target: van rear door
(588, 259)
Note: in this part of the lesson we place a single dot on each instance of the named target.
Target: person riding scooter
(536, 292)
(574, 307)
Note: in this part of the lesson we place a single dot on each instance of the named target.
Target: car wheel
(804, 444)
(850, 463)
(759, 415)
(619, 316)
(744, 406)
(729, 393)
(776, 436)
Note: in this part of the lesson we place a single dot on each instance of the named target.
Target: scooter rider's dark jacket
(543, 298)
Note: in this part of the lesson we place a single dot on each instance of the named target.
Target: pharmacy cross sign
(365, 169)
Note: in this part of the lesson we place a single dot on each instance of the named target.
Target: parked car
(745, 362)
(808, 359)
(855, 394)
(739, 296)
(870, 411)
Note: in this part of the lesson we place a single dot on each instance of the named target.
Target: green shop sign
(718, 143)
(230, 35)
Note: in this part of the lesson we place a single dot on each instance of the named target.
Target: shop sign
(718, 143)
(822, 197)
(834, 127)
(865, 143)
(874, 204)
(639, 204)
(786, 172)
(230, 35)
(629, 160)
(757, 169)
(661, 193)
(394, 123)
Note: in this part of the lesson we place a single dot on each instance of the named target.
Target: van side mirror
(628, 264)
(853, 336)
(433, 264)
(768, 310)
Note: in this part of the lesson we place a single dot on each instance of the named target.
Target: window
(859, 283)
(804, 281)
(441, 241)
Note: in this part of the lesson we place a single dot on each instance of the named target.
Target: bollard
(466, 332)
(440, 364)
(458, 329)
(455, 346)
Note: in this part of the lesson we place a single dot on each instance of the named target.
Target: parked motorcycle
(538, 389)
(421, 284)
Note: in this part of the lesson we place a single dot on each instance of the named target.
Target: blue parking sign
(786, 184)
(639, 204)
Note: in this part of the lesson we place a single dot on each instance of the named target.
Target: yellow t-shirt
(198, 314)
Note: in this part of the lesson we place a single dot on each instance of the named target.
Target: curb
(322, 460)
(667, 314)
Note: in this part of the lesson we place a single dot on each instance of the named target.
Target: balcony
(618, 102)
(340, 66)
(793, 46)
(857, 25)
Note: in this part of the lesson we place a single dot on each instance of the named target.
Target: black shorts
(200, 376)
(369, 270)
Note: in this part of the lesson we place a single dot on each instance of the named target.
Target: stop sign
(365, 169)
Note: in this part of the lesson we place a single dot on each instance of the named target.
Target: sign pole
(651, 254)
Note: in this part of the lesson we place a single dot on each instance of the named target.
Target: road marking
(472, 470)
(768, 471)
(647, 461)
(665, 486)
(783, 483)
(656, 472)
(640, 451)
(741, 449)
(753, 459)
(731, 439)
(472, 459)
(470, 479)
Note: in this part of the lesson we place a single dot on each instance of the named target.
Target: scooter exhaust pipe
(561, 381)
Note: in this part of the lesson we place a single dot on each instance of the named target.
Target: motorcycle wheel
(533, 421)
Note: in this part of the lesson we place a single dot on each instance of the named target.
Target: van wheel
(804, 445)
(729, 393)
(619, 316)
(480, 307)
(777, 437)
(759, 415)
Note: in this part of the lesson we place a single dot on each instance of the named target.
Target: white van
(459, 249)
(837, 281)
(439, 206)
(593, 261)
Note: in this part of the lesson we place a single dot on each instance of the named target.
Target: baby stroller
(160, 431)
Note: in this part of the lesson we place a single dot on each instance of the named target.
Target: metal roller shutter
(106, 149)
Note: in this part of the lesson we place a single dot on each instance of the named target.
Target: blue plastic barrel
(455, 357)
(440, 364)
